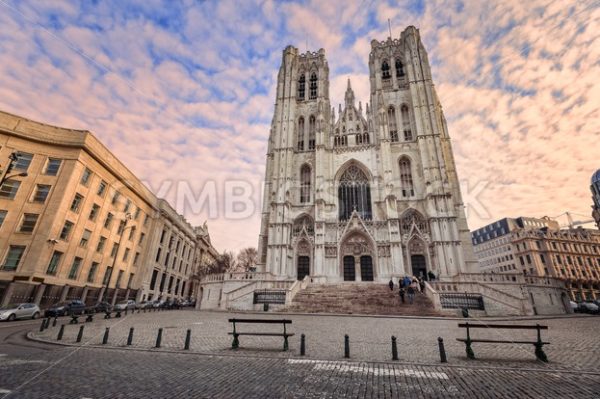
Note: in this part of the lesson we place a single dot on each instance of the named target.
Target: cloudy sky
(183, 92)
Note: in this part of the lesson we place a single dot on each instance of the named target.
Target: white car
(125, 305)
(20, 311)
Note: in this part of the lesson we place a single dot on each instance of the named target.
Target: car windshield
(123, 303)
(56, 305)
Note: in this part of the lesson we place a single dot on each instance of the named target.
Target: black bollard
(80, 334)
(60, 332)
(125, 311)
(346, 346)
(442, 350)
(130, 336)
(188, 336)
(105, 338)
(302, 345)
(43, 325)
(54, 322)
(158, 338)
(394, 349)
(47, 323)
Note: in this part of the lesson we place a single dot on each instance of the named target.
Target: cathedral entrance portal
(303, 267)
(349, 272)
(418, 266)
(366, 268)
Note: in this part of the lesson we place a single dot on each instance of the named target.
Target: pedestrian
(391, 284)
(431, 275)
(411, 294)
(401, 293)
(406, 281)
(421, 284)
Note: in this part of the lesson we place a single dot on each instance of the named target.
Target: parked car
(159, 303)
(144, 305)
(574, 306)
(125, 305)
(73, 306)
(20, 311)
(103, 307)
(588, 307)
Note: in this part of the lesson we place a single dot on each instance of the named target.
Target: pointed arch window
(406, 180)
(392, 127)
(366, 138)
(301, 134)
(305, 184)
(359, 138)
(301, 87)
(408, 136)
(354, 194)
(399, 68)
(312, 127)
(313, 86)
(385, 70)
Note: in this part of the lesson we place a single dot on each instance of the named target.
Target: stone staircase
(359, 298)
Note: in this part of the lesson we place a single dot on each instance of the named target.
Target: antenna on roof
(390, 27)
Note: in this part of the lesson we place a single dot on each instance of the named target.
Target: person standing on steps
(411, 293)
(391, 284)
(401, 293)
(421, 285)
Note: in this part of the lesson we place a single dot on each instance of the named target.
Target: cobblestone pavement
(71, 372)
(574, 340)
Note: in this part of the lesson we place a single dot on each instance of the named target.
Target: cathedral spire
(349, 95)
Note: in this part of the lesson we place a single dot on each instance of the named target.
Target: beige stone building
(538, 247)
(79, 224)
(595, 188)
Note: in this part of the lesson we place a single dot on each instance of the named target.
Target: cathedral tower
(371, 194)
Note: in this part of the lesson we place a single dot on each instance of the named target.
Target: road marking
(4, 391)
(322, 365)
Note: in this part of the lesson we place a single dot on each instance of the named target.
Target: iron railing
(269, 296)
(461, 301)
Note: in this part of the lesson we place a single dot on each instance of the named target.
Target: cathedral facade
(364, 194)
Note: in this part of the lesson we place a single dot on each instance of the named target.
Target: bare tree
(247, 259)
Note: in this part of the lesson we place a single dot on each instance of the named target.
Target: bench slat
(501, 342)
(506, 326)
(266, 321)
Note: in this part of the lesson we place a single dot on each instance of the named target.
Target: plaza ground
(36, 369)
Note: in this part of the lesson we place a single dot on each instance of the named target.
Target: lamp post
(114, 262)
(12, 159)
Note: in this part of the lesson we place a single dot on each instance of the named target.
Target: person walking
(401, 293)
(411, 293)
(391, 284)
(421, 285)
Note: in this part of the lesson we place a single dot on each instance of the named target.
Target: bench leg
(236, 342)
(539, 353)
(285, 343)
(469, 350)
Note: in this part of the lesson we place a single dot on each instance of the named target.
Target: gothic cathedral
(367, 194)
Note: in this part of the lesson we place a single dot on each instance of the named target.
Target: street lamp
(114, 262)
(12, 159)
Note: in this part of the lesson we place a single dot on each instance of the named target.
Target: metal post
(130, 336)
(443, 358)
(346, 346)
(60, 332)
(158, 338)
(394, 349)
(43, 325)
(302, 345)
(80, 334)
(188, 336)
(105, 338)
(54, 322)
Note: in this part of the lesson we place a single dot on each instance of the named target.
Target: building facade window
(101, 244)
(119, 278)
(301, 87)
(399, 68)
(76, 203)
(101, 188)
(312, 128)
(23, 161)
(392, 127)
(54, 263)
(406, 180)
(13, 257)
(305, 184)
(85, 177)
(28, 223)
(75, 268)
(85, 238)
(66, 231)
(107, 275)
(113, 251)
(108, 220)
(3, 214)
(301, 134)
(313, 86)
(92, 273)
(52, 166)
(94, 212)
(354, 193)
(41, 193)
(9, 189)
(408, 136)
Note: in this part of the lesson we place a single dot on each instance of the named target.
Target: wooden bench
(236, 342)
(539, 352)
